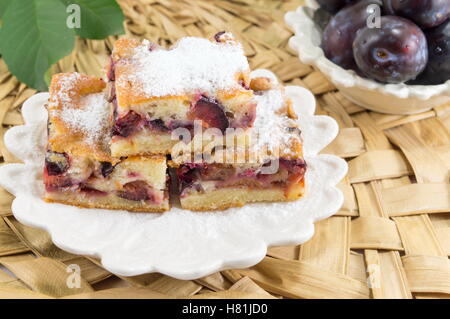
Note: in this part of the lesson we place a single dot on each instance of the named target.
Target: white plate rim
(242, 247)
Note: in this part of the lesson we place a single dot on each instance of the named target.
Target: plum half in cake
(269, 167)
(157, 90)
(79, 169)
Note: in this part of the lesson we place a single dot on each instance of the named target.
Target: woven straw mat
(391, 238)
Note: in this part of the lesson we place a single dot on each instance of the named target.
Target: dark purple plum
(210, 112)
(387, 8)
(127, 124)
(158, 125)
(333, 6)
(426, 13)
(106, 168)
(137, 191)
(56, 163)
(321, 18)
(340, 32)
(397, 52)
(438, 67)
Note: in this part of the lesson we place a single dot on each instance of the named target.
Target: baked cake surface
(79, 169)
(80, 117)
(156, 91)
(268, 166)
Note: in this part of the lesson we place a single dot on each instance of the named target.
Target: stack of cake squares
(193, 110)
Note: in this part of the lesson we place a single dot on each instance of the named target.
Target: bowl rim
(309, 51)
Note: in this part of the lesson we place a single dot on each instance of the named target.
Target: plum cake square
(268, 167)
(155, 91)
(79, 169)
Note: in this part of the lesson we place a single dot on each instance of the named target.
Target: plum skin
(58, 166)
(340, 33)
(210, 112)
(425, 13)
(395, 53)
(127, 124)
(136, 191)
(333, 5)
(438, 67)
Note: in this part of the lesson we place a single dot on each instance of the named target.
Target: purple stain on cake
(127, 125)
(246, 120)
(294, 166)
(48, 127)
(111, 70)
(173, 125)
(244, 85)
(158, 125)
(187, 173)
(114, 104)
(91, 191)
(112, 96)
(152, 46)
(56, 183)
(136, 191)
(248, 173)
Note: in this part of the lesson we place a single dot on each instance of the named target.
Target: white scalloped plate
(178, 243)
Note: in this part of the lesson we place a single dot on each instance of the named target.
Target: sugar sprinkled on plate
(192, 65)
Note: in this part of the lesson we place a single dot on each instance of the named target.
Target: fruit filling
(202, 177)
(210, 112)
(94, 178)
(207, 110)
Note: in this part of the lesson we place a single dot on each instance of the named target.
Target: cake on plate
(267, 167)
(155, 91)
(113, 144)
(79, 169)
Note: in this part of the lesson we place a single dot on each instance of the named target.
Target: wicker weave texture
(391, 239)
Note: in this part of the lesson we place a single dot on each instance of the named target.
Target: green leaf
(48, 76)
(99, 18)
(34, 36)
(4, 4)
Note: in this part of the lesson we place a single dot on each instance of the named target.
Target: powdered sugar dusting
(67, 83)
(87, 114)
(193, 64)
(271, 128)
(90, 117)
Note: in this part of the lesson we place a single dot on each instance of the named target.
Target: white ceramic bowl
(385, 98)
